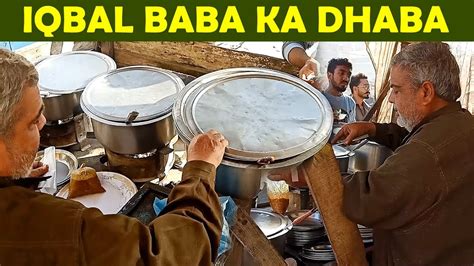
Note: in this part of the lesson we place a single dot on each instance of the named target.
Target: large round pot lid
(71, 72)
(269, 222)
(263, 113)
(131, 94)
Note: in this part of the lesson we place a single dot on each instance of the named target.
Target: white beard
(409, 123)
(401, 121)
(23, 162)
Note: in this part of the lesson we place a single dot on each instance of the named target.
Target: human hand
(38, 169)
(351, 131)
(208, 147)
(287, 176)
(310, 73)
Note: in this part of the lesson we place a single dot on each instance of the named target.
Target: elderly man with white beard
(39, 229)
(420, 201)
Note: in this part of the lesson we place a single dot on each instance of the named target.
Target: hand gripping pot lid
(263, 113)
(147, 92)
(71, 72)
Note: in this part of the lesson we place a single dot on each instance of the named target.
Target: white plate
(118, 191)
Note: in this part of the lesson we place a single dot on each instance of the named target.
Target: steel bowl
(66, 162)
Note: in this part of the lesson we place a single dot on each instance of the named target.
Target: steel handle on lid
(131, 117)
(266, 160)
(304, 216)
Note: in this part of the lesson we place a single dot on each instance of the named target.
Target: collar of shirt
(450, 108)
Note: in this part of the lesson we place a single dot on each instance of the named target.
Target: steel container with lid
(131, 108)
(272, 120)
(274, 226)
(343, 156)
(63, 77)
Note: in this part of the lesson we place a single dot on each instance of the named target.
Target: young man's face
(362, 90)
(340, 78)
(23, 142)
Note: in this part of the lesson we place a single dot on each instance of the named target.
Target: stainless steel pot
(343, 156)
(266, 115)
(130, 108)
(136, 138)
(61, 107)
(368, 157)
(242, 179)
(345, 153)
(343, 162)
(62, 78)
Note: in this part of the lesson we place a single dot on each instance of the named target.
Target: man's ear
(329, 74)
(4, 156)
(428, 92)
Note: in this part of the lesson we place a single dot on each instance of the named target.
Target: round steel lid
(263, 113)
(270, 223)
(131, 94)
(71, 72)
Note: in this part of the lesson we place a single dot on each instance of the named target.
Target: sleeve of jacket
(187, 232)
(405, 187)
(390, 135)
(287, 46)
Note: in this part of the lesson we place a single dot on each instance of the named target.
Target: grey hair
(431, 61)
(16, 73)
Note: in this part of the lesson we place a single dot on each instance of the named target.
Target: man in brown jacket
(420, 201)
(39, 229)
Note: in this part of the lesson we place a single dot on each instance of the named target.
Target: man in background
(360, 89)
(338, 74)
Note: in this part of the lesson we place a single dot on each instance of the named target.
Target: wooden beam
(325, 182)
(378, 103)
(247, 236)
(254, 241)
(84, 46)
(193, 58)
(383, 92)
(107, 48)
(56, 48)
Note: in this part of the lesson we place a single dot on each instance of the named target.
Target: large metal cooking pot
(134, 138)
(130, 108)
(273, 121)
(368, 157)
(242, 179)
(61, 107)
(62, 78)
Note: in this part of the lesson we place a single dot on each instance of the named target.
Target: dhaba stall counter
(323, 177)
(199, 58)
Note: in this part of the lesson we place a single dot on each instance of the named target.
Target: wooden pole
(107, 48)
(247, 236)
(324, 180)
(192, 58)
(383, 92)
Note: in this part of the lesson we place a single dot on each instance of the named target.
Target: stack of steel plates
(320, 253)
(309, 232)
(366, 234)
